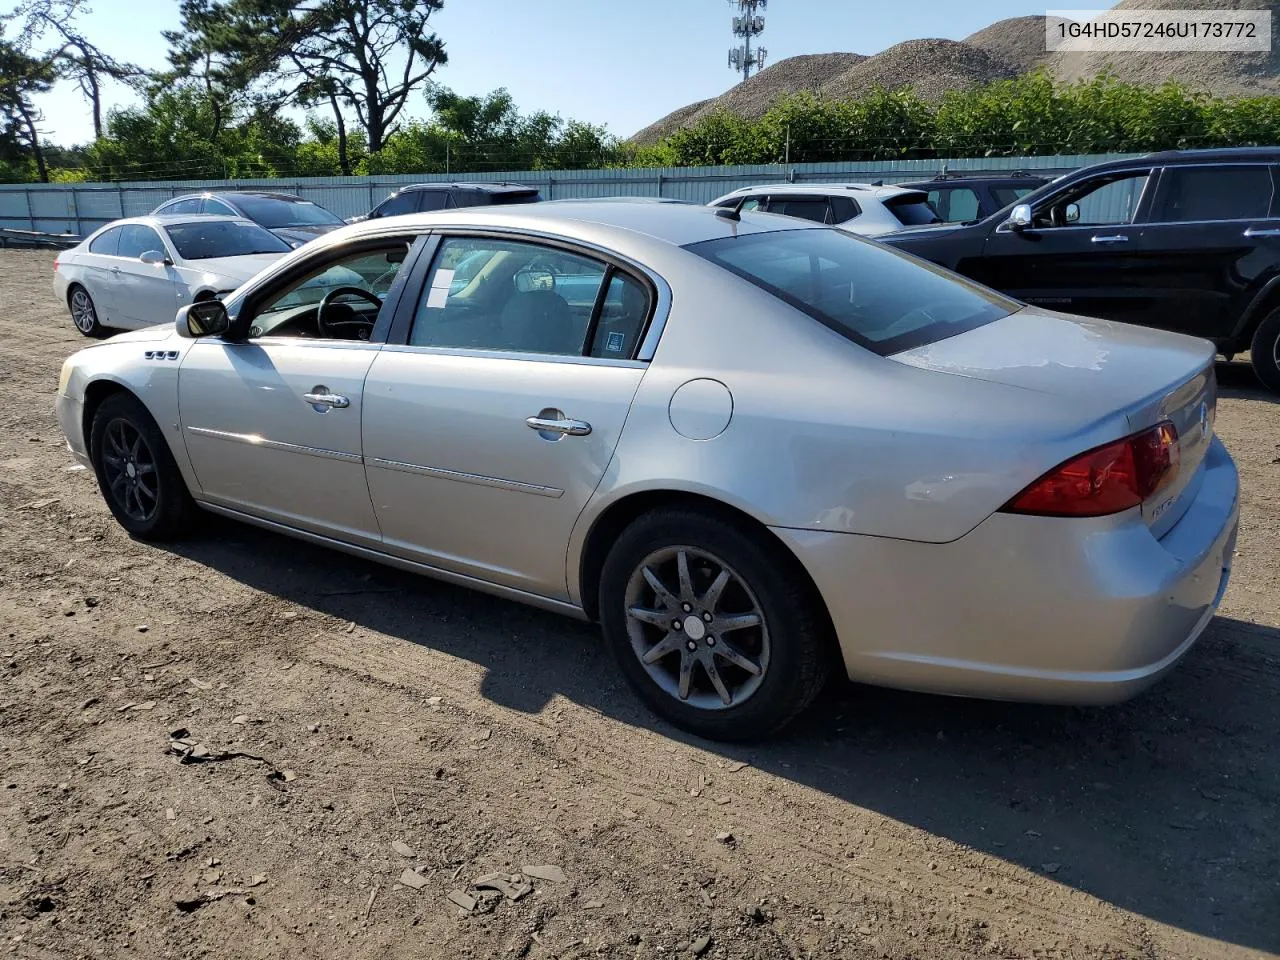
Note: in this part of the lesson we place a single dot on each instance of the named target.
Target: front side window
(1104, 201)
(217, 207)
(398, 204)
(338, 298)
(1189, 194)
(137, 239)
(206, 239)
(107, 242)
(804, 208)
(1007, 196)
(487, 294)
(276, 213)
(876, 296)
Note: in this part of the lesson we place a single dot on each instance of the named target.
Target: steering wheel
(345, 317)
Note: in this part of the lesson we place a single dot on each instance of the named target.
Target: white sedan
(138, 272)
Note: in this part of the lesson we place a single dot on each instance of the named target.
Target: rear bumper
(1031, 608)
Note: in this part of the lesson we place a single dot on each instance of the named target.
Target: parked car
(862, 208)
(761, 448)
(424, 197)
(960, 199)
(1185, 240)
(138, 272)
(292, 219)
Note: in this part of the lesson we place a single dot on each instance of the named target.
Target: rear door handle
(1112, 238)
(565, 426)
(1262, 232)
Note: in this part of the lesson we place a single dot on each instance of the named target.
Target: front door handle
(1112, 238)
(321, 397)
(562, 425)
(1262, 232)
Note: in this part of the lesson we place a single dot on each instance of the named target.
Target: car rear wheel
(83, 313)
(136, 472)
(716, 628)
(1265, 351)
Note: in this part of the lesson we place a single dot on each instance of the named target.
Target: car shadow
(1164, 806)
(1237, 379)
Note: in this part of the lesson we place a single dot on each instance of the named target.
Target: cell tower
(746, 25)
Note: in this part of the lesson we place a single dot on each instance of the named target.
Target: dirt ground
(354, 707)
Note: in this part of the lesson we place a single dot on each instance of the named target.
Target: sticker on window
(615, 342)
(438, 295)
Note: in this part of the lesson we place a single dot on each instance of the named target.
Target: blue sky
(604, 61)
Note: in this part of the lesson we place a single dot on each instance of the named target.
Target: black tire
(136, 471)
(84, 313)
(1265, 351)
(794, 635)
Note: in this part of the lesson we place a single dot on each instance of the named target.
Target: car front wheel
(136, 472)
(1265, 351)
(715, 627)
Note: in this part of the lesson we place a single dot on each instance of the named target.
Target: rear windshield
(275, 214)
(203, 240)
(876, 296)
(912, 209)
(515, 196)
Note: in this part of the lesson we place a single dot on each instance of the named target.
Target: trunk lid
(1099, 368)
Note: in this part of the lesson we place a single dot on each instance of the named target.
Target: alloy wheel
(82, 313)
(697, 628)
(129, 468)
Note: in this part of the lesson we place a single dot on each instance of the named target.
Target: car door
(272, 421)
(1213, 234)
(490, 422)
(97, 275)
(145, 293)
(1078, 254)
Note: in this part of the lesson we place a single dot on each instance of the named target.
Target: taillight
(1105, 480)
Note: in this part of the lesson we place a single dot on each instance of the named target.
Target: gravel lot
(354, 707)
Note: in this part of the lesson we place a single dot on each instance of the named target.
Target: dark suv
(1185, 240)
(422, 197)
(961, 199)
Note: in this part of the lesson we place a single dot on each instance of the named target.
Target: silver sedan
(752, 449)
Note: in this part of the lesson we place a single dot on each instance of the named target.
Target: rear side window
(190, 205)
(622, 319)
(878, 297)
(843, 209)
(516, 196)
(106, 243)
(912, 209)
(805, 208)
(433, 200)
(1214, 193)
(955, 204)
(1010, 195)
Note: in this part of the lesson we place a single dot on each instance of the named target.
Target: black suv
(958, 198)
(1187, 240)
(422, 197)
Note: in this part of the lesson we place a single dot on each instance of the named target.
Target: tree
(73, 55)
(21, 77)
(367, 56)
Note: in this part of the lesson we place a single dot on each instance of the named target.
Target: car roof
(169, 219)
(833, 189)
(272, 195)
(592, 221)
(468, 185)
(961, 180)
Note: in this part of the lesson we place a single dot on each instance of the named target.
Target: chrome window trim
(320, 343)
(478, 479)
(256, 440)
(512, 355)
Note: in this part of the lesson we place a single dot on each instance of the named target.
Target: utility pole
(746, 25)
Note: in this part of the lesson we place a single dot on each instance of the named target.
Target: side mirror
(1020, 217)
(1072, 213)
(207, 318)
(155, 256)
(529, 280)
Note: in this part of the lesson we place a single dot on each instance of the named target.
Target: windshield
(204, 240)
(878, 297)
(275, 213)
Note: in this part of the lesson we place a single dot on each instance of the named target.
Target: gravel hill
(1004, 49)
